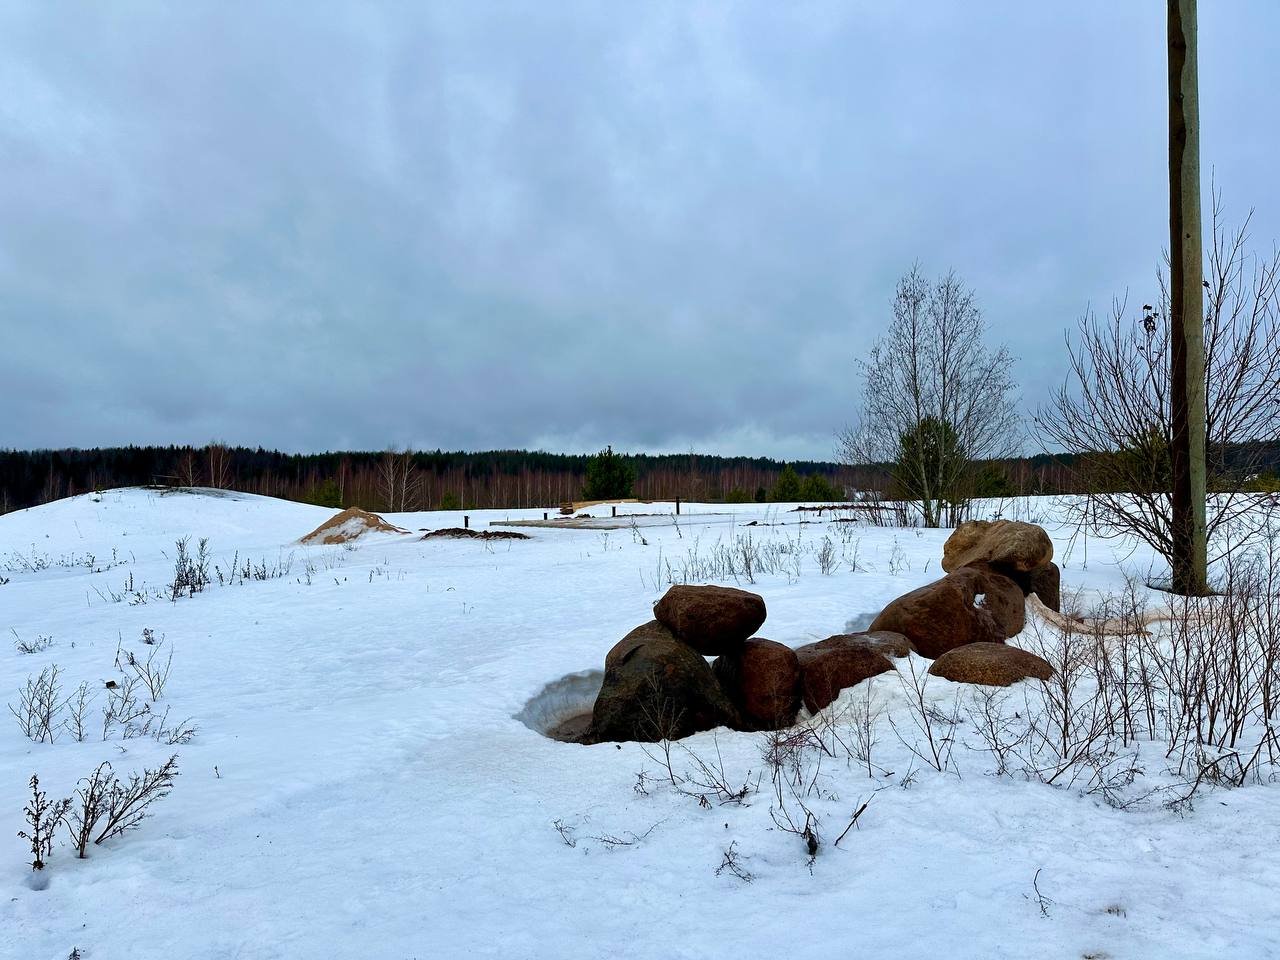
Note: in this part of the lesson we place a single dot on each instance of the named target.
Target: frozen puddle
(562, 709)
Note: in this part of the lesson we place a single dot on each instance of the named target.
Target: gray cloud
(565, 224)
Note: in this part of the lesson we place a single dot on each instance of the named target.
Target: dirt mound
(348, 525)
(459, 533)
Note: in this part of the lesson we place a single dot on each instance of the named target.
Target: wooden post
(466, 523)
(1186, 321)
(615, 511)
(677, 506)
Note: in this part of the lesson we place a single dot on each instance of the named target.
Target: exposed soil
(572, 730)
(461, 533)
(348, 525)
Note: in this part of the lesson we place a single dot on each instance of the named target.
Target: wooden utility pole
(1186, 323)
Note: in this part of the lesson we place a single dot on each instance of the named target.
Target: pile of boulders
(659, 685)
(992, 566)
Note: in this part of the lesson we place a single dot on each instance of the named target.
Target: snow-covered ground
(360, 785)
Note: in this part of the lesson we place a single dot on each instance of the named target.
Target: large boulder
(992, 664)
(831, 665)
(712, 620)
(652, 630)
(884, 642)
(762, 678)
(945, 614)
(999, 594)
(1007, 545)
(658, 689)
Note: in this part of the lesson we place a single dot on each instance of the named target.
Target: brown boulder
(658, 689)
(1001, 595)
(712, 620)
(885, 642)
(762, 678)
(831, 665)
(992, 664)
(944, 614)
(1008, 545)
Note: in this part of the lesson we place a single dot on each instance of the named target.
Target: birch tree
(936, 400)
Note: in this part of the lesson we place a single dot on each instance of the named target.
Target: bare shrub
(43, 816)
(76, 723)
(127, 804)
(937, 728)
(190, 574)
(1199, 681)
(124, 708)
(39, 703)
(731, 863)
(153, 673)
(40, 644)
(88, 807)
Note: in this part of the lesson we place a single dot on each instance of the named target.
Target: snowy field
(359, 784)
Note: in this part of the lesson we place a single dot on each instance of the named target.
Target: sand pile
(348, 525)
(459, 533)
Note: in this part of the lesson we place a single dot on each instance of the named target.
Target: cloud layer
(567, 224)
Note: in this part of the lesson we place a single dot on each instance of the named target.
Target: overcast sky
(560, 225)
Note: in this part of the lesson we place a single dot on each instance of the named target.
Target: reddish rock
(991, 664)
(1000, 595)
(943, 615)
(712, 620)
(831, 665)
(762, 678)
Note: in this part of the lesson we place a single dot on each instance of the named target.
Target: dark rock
(1046, 583)
(712, 620)
(658, 689)
(762, 678)
(652, 630)
(992, 664)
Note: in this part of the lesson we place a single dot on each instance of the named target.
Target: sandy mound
(458, 533)
(348, 525)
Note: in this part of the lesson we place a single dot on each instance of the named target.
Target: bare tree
(188, 469)
(936, 399)
(398, 480)
(1113, 413)
(218, 455)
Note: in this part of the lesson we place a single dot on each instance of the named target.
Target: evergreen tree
(817, 489)
(327, 494)
(609, 477)
(787, 489)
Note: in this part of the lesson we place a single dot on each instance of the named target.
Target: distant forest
(449, 480)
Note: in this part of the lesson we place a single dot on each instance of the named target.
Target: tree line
(422, 480)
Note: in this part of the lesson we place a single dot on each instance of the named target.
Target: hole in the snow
(562, 709)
